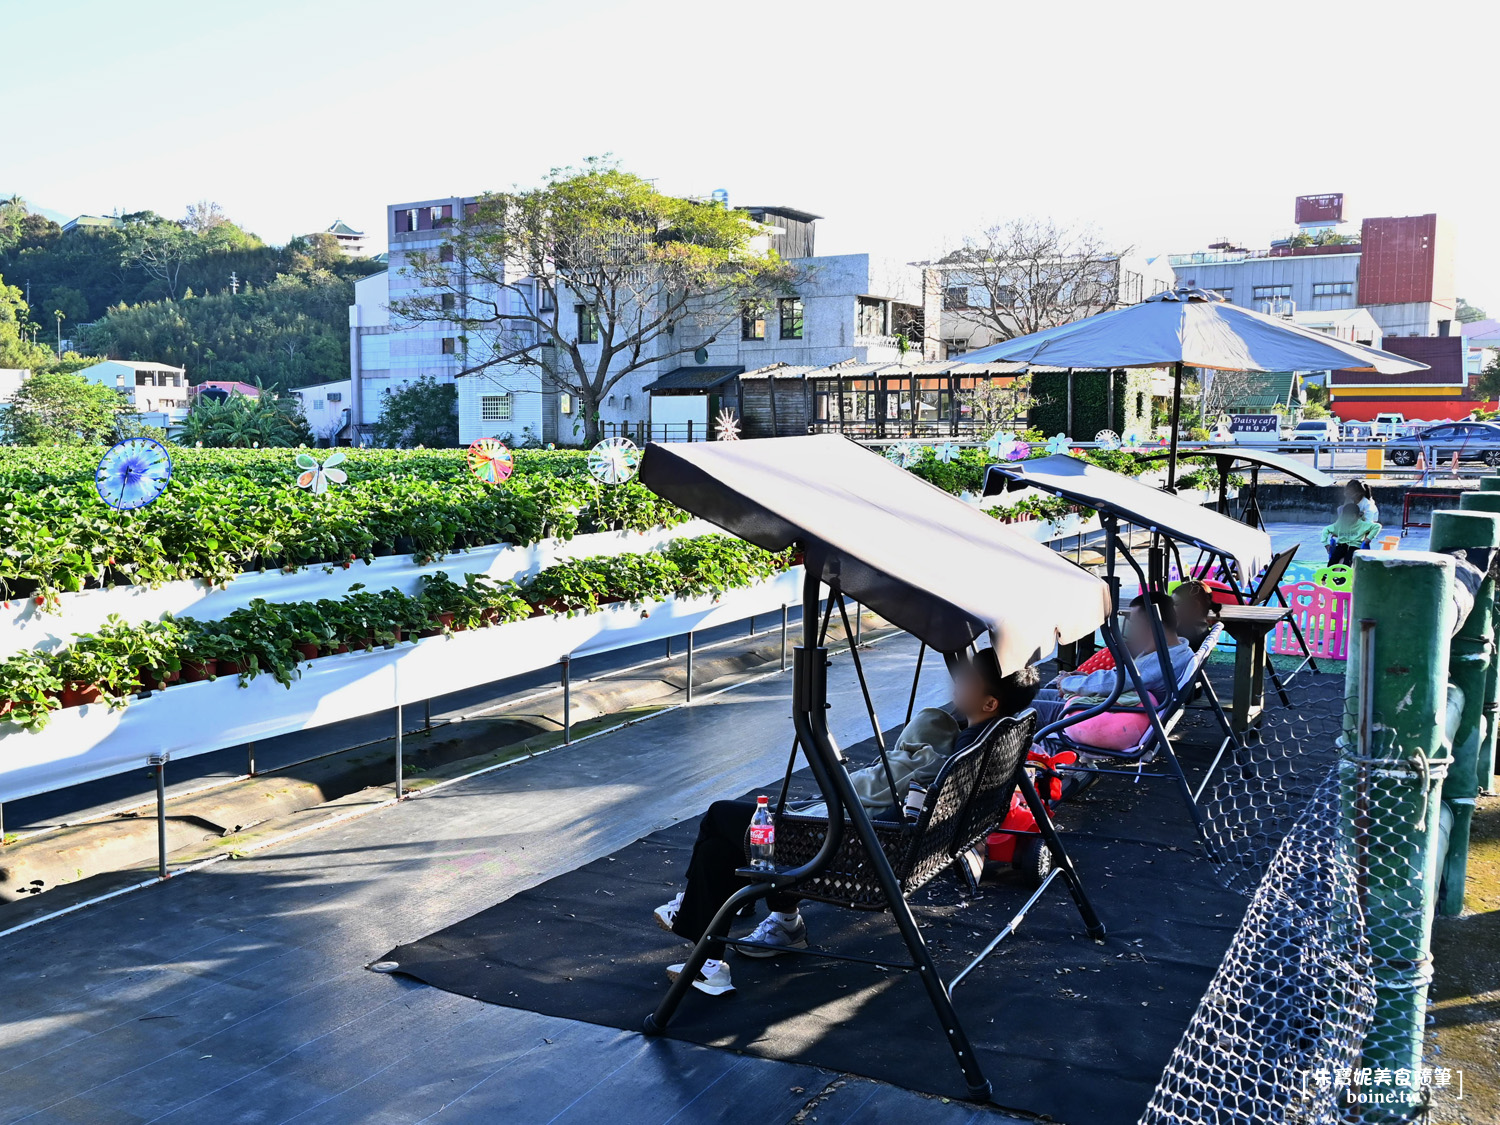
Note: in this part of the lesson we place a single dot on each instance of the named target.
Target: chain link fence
(1325, 843)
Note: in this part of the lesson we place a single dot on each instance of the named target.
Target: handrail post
(159, 764)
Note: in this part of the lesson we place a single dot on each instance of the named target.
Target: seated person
(980, 696)
(1196, 611)
(1349, 532)
(1140, 642)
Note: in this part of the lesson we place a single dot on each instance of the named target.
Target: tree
(1027, 275)
(1488, 385)
(160, 249)
(997, 402)
(240, 421)
(421, 413)
(56, 407)
(1467, 313)
(16, 348)
(203, 217)
(589, 277)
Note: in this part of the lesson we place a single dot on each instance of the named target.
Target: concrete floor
(238, 993)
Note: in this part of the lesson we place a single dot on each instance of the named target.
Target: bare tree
(586, 279)
(1027, 275)
(204, 216)
(160, 249)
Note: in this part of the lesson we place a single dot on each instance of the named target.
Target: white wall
(678, 410)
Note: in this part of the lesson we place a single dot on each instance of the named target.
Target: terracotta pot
(5, 706)
(76, 695)
(231, 668)
(195, 670)
(490, 616)
(308, 649)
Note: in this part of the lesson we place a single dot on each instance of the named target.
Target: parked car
(1389, 425)
(1316, 429)
(1472, 441)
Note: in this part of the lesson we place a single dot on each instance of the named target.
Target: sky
(907, 126)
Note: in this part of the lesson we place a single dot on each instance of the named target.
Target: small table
(1249, 625)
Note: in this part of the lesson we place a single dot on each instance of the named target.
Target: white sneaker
(774, 932)
(666, 914)
(712, 979)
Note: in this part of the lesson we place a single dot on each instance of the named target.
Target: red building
(1442, 392)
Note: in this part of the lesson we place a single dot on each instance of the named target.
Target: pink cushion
(1113, 730)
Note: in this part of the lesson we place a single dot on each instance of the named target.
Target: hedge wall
(1132, 403)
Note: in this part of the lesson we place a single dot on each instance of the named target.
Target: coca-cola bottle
(762, 836)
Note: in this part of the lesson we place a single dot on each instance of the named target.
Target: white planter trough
(85, 743)
(25, 625)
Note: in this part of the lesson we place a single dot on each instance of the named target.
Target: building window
(872, 317)
(1225, 291)
(752, 321)
(588, 324)
(1272, 292)
(449, 300)
(450, 345)
(956, 347)
(546, 300)
(494, 408)
(1333, 289)
(317, 404)
(790, 310)
(956, 297)
(565, 404)
(470, 210)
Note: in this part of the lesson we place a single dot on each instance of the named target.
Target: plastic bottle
(762, 836)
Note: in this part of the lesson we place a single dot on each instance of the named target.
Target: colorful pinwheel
(132, 473)
(614, 460)
(490, 460)
(1132, 440)
(1015, 451)
(318, 477)
(904, 453)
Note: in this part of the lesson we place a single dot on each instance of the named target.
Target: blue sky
(906, 125)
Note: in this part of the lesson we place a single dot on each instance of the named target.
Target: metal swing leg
(1060, 857)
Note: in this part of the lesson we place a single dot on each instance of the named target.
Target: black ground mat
(1062, 1026)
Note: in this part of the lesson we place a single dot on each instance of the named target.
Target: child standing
(1347, 533)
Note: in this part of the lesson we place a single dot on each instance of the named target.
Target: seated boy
(980, 696)
(1195, 611)
(1140, 642)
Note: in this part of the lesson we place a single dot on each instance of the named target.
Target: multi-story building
(1399, 269)
(351, 241)
(842, 307)
(968, 316)
(152, 388)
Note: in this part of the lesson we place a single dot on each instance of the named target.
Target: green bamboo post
(1487, 500)
(1391, 808)
(1470, 655)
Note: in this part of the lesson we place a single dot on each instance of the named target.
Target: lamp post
(60, 318)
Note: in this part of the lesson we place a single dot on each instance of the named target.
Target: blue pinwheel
(946, 452)
(998, 441)
(132, 473)
(1058, 443)
(904, 453)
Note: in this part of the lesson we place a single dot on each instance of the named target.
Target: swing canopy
(926, 561)
(1133, 502)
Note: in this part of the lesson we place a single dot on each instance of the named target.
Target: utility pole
(59, 314)
(234, 284)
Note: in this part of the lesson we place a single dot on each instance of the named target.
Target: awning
(1137, 503)
(1267, 459)
(693, 380)
(924, 560)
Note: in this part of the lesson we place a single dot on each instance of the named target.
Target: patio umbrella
(1188, 327)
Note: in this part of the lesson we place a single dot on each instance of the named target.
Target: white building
(152, 388)
(351, 241)
(326, 408)
(840, 307)
(966, 318)
(11, 379)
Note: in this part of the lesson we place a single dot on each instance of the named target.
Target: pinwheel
(490, 460)
(998, 441)
(1058, 443)
(318, 477)
(946, 452)
(904, 453)
(614, 460)
(132, 473)
(1107, 439)
(728, 426)
(1015, 451)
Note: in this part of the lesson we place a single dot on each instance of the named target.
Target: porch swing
(948, 574)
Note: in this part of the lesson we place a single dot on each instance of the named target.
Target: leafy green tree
(16, 348)
(422, 413)
(1488, 385)
(54, 407)
(241, 421)
(587, 278)
(1467, 313)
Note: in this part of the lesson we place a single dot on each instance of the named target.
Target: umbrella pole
(1176, 414)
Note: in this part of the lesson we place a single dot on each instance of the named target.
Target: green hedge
(1132, 403)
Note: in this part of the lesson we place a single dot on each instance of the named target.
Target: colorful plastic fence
(1323, 616)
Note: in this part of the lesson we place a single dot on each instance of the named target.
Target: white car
(1318, 429)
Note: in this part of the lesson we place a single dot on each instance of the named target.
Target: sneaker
(712, 979)
(666, 914)
(774, 932)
